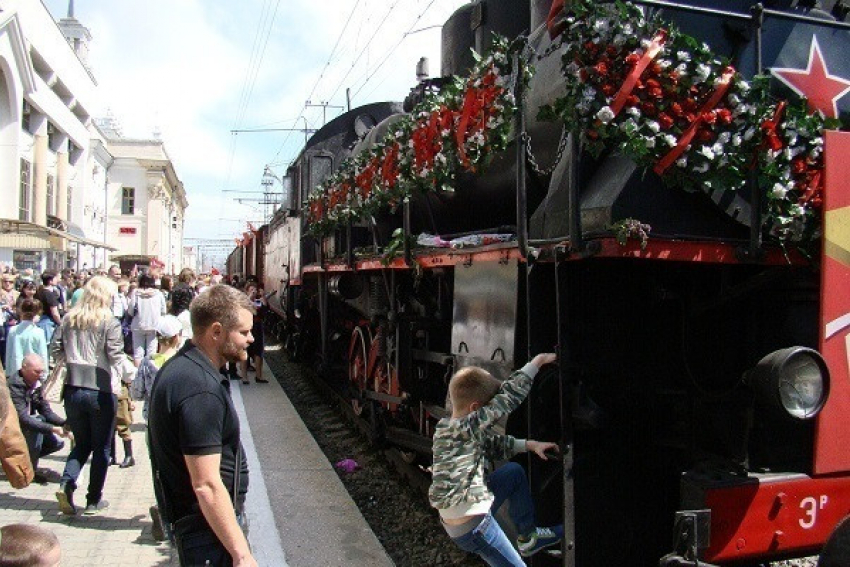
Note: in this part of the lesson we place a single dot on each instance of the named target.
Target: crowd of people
(101, 340)
(121, 341)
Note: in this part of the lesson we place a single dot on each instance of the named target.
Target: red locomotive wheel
(357, 373)
(385, 381)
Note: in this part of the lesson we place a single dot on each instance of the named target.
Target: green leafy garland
(458, 128)
(666, 101)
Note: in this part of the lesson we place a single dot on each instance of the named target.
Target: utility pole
(324, 105)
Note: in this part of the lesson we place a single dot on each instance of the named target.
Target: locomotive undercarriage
(653, 357)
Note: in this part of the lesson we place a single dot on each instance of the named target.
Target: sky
(195, 70)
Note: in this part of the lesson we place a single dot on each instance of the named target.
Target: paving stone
(119, 536)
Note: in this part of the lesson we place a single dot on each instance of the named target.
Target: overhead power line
(333, 51)
(392, 51)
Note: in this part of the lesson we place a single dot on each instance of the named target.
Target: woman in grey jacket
(147, 305)
(90, 341)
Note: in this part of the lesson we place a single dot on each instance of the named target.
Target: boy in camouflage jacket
(464, 444)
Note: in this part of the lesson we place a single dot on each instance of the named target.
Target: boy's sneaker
(540, 538)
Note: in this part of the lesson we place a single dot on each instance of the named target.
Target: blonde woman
(90, 341)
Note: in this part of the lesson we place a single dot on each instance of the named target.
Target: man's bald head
(32, 368)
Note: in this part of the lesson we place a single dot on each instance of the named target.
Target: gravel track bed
(400, 516)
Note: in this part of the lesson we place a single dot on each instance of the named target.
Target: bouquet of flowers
(459, 127)
(666, 101)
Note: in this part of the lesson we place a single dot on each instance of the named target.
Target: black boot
(112, 458)
(129, 461)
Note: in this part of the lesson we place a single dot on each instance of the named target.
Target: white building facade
(147, 205)
(46, 180)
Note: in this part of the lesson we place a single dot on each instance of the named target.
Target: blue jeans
(41, 444)
(488, 540)
(91, 417)
(47, 325)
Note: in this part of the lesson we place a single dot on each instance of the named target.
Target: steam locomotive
(702, 384)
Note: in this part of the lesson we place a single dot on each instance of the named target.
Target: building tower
(77, 34)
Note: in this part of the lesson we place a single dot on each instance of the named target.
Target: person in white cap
(168, 333)
(168, 336)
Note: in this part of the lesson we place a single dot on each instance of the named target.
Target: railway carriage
(653, 201)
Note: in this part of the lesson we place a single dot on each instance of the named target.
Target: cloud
(181, 67)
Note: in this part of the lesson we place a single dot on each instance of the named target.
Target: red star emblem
(821, 89)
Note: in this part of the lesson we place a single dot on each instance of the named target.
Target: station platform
(299, 512)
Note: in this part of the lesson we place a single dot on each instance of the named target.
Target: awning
(30, 236)
(132, 258)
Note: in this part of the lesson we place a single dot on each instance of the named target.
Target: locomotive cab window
(321, 166)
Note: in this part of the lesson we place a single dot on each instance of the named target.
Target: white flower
(683, 56)
(583, 107)
(645, 43)
(619, 40)
(664, 63)
(717, 148)
(797, 210)
(702, 72)
(629, 126)
(817, 141)
(815, 153)
(628, 29)
(733, 99)
(724, 137)
(707, 152)
(649, 141)
(744, 86)
(682, 69)
(600, 26)
(701, 168)
(670, 140)
(605, 114)
(749, 133)
(633, 111)
(440, 157)
(682, 162)
(653, 126)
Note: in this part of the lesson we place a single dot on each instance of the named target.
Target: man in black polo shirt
(202, 473)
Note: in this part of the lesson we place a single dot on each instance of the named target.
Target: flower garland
(458, 128)
(663, 99)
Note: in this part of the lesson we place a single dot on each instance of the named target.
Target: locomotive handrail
(521, 196)
(408, 257)
(741, 16)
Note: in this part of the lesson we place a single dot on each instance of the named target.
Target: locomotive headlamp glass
(794, 379)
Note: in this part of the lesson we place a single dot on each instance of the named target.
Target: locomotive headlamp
(794, 379)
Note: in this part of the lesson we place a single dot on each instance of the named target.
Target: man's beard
(232, 353)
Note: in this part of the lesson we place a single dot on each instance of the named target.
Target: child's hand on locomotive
(543, 449)
(544, 358)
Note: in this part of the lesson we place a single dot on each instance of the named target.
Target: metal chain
(562, 146)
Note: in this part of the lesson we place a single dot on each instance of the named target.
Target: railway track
(389, 490)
